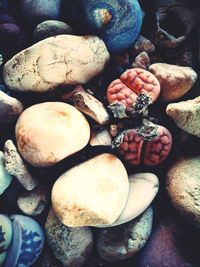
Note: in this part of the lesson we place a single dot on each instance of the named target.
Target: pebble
(51, 28)
(175, 81)
(122, 242)
(36, 11)
(74, 59)
(10, 108)
(141, 61)
(5, 177)
(100, 138)
(107, 20)
(71, 245)
(91, 107)
(35, 202)
(184, 188)
(186, 115)
(81, 195)
(15, 166)
(143, 44)
(48, 132)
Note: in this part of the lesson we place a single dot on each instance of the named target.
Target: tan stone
(186, 115)
(92, 193)
(175, 80)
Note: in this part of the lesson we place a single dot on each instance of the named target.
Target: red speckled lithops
(135, 150)
(131, 83)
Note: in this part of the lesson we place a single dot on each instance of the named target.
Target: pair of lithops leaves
(129, 97)
(21, 241)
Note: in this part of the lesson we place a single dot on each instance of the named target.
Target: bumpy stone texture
(81, 195)
(48, 132)
(175, 81)
(51, 28)
(60, 60)
(121, 242)
(10, 108)
(155, 151)
(183, 185)
(186, 115)
(36, 11)
(131, 83)
(16, 167)
(71, 245)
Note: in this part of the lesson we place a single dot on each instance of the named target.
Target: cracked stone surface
(186, 115)
(121, 242)
(183, 186)
(60, 60)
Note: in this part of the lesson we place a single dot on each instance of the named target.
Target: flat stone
(10, 108)
(48, 132)
(15, 166)
(186, 115)
(100, 138)
(5, 177)
(122, 242)
(71, 245)
(91, 106)
(175, 80)
(74, 60)
(183, 186)
(143, 187)
(81, 195)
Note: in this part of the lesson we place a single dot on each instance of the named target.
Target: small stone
(69, 96)
(6, 234)
(143, 187)
(15, 166)
(5, 177)
(72, 246)
(100, 138)
(122, 242)
(51, 28)
(186, 115)
(81, 195)
(142, 44)
(48, 132)
(91, 106)
(60, 60)
(175, 81)
(183, 186)
(141, 61)
(10, 108)
(35, 202)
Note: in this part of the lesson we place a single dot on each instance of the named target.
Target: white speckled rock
(48, 132)
(59, 60)
(143, 187)
(186, 115)
(91, 193)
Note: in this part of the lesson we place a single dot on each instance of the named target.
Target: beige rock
(183, 185)
(175, 80)
(186, 115)
(91, 193)
(49, 132)
(91, 106)
(59, 60)
(101, 138)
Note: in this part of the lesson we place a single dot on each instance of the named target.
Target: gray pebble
(71, 245)
(141, 61)
(121, 242)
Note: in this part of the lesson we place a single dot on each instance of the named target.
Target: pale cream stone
(59, 60)
(49, 132)
(92, 193)
(101, 138)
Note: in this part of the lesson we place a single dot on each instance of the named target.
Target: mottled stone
(71, 245)
(142, 44)
(10, 108)
(121, 242)
(186, 115)
(183, 186)
(141, 61)
(48, 132)
(35, 202)
(175, 81)
(15, 166)
(51, 28)
(6, 233)
(81, 195)
(91, 106)
(5, 177)
(60, 60)
(100, 138)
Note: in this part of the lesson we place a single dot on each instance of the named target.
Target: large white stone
(92, 193)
